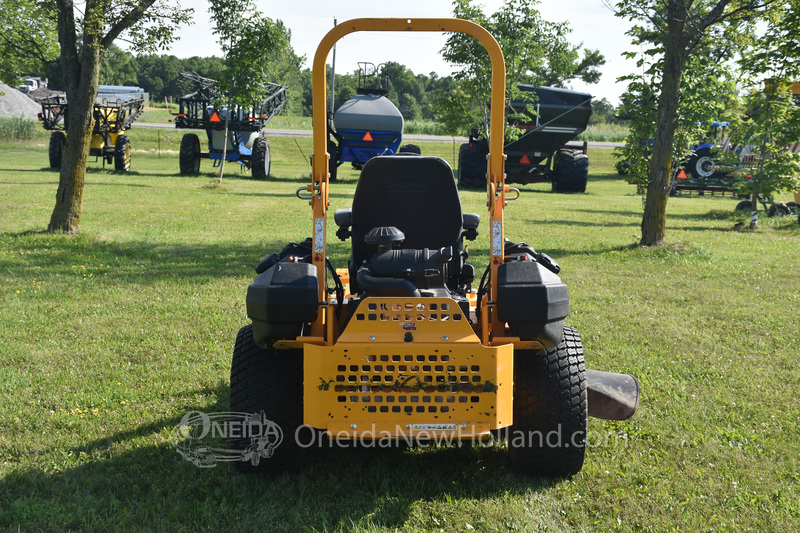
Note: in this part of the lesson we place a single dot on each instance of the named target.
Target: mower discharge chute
(407, 350)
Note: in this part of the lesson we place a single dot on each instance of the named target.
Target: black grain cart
(553, 118)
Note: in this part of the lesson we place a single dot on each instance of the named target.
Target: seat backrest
(416, 194)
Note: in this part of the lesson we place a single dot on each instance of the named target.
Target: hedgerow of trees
(159, 75)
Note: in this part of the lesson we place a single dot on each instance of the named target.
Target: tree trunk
(754, 208)
(81, 79)
(654, 220)
(225, 137)
(755, 190)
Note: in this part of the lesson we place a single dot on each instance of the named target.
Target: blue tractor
(701, 170)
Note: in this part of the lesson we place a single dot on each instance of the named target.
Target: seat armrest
(343, 217)
(471, 220)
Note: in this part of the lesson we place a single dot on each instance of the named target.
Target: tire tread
(272, 381)
(550, 395)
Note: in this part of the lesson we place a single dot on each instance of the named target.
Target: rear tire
(333, 163)
(548, 437)
(270, 381)
(472, 166)
(122, 154)
(778, 210)
(571, 171)
(701, 164)
(189, 156)
(794, 207)
(744, 205)
(56, 149)
(409, 149)
(261, 161)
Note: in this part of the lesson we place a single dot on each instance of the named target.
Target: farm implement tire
(333, 161)
(744, 205)
(794, 208)
(472, 166)
(409, 149)
(189, 156)
(267, 382)
(122, 154)
(56, 148)
(701, 164)
(779, 210)
(571, 171)
(548, 437)
(261, 159)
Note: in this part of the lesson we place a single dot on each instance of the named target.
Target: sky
(591, 21)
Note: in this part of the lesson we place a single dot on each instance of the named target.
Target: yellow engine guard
(405, 367)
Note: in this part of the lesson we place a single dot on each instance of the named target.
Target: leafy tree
(409, 107)
(536, 52)
(257, 49)
(253, 46)
(346, 85)
(28, 40)
(678, 28)
(118, 68)
(708, 93)
(158, 75)
(85, 34)
(403, 84)
(772, 123)
(603, 112)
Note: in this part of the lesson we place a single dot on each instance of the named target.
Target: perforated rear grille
(407, 361)
(409, 383)
(410, 312)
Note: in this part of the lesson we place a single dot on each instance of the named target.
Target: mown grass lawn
(109, 337)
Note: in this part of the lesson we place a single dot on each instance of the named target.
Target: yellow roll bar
(496, 188)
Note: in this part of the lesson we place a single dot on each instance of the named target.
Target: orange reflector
(524, 160)
(214, 117)
(367, 137)
(682, 175)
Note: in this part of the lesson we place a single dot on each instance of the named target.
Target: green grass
(424, 127)
(109, 337)
(19, 129)
(604, 133)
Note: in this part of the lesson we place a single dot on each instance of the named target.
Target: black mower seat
(418, 195)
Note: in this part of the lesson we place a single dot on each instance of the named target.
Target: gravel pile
(13, 103)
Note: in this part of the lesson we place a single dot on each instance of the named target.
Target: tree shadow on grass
(31, 170)
(149, 486)
(291, 196)
(135, 262)
(102, 184)
(713, 215)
